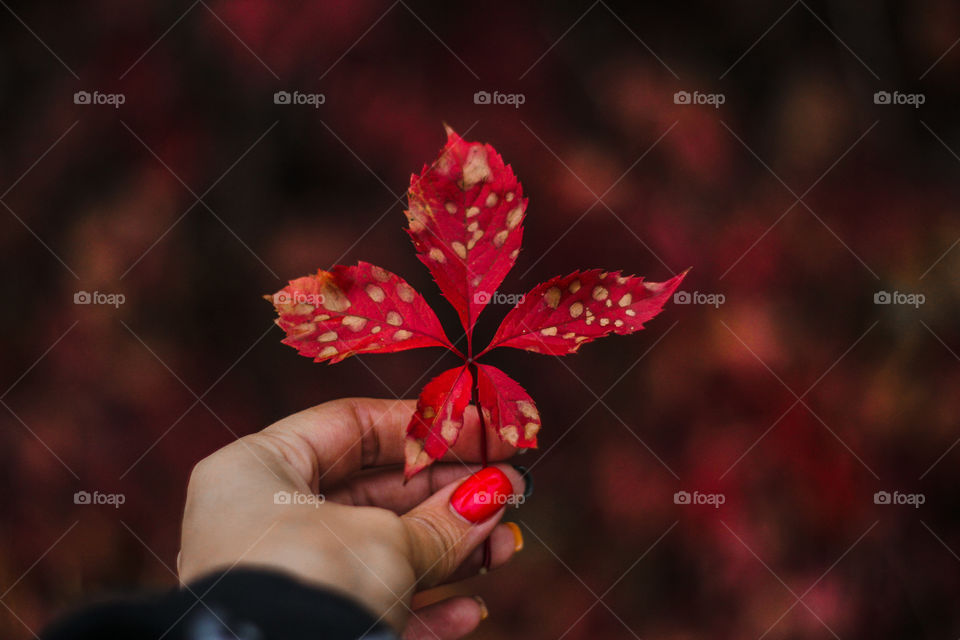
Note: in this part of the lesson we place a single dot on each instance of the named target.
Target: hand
(370, 537)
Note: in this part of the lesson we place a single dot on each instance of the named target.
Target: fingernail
(527, 480)
(517, 535)
(484, 613)
(482, 495)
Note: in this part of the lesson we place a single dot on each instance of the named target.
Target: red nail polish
(482, 494)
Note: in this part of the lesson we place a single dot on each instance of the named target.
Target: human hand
(371, 537)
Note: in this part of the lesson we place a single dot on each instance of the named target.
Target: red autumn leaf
(438, 420)
(565, 312)
(507, 407)
(362, 309)
(466, 212)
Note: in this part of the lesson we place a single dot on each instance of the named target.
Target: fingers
(384, 487)
(345, 435)
(505, 541)
(446, 528)
(446, 620)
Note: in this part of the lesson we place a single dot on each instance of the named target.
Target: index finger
(345, 435)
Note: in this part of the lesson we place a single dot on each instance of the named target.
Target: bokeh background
(797, 200)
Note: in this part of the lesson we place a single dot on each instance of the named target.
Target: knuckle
(433, 543)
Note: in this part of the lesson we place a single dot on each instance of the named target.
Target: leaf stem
(487, 552)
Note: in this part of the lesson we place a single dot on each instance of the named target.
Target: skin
(372, 538)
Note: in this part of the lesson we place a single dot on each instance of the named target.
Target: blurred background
(808, 174)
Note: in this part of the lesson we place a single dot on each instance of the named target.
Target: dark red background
(305, 188)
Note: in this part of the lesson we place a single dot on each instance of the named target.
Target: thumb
(448, 525)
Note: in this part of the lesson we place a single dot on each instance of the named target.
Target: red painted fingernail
(482, 494)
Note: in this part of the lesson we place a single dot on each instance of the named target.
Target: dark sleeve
(244, 604)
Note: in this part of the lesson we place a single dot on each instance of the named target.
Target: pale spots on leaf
(576, 309)
(429, 412)
(552, 297)
(449, 430)
(405, 292)
(528, 409)
(328, 352)
(329, 336)
(511, 434)
(333, 298)
(626, 300)
(354, 323)
(401, 334)
(394, 318)
(376, 329)
(604, 322)
(514, 217)
(379, 273)
(376, 293)
(475, 168)
(500, 238)
(472, 211)
(618, 323)
(491, 200)
(437, 254)
(509, 197)
(530, 430)
(630, 312)
(473, 240)
(450, 207)
(600, 293)
(302, 330)
(549, 331)
(460, 250)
